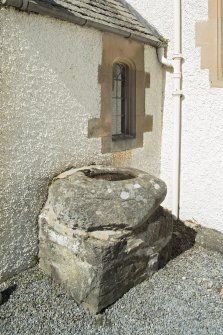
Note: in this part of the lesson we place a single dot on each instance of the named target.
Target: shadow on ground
(183, 238)
(5, 295)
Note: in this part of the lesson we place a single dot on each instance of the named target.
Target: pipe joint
(177, 93)
(162, 59)
(178, 56)
(177, 75)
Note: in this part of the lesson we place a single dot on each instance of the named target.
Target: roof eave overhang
(38, 7)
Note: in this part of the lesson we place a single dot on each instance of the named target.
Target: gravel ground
(185, 297)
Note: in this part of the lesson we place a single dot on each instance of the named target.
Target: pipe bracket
(178, 56)
(177, 92)
(177, 75)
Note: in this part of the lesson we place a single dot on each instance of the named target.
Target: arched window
(124, 84)
(122, 101)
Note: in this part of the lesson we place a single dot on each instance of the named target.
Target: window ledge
(122, 137)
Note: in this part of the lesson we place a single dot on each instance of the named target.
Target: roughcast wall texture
(48, 76)
(202, 121)
(48, 91)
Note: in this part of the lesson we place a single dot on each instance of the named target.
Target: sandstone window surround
(209, 36)
(128, 134)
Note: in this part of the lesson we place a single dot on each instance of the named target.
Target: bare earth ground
(185, 297)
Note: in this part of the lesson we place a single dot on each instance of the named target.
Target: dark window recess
(122, 119)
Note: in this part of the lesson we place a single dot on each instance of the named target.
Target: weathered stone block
(102, 231)
(210, 239)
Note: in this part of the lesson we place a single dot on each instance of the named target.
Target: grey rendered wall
(48, 91)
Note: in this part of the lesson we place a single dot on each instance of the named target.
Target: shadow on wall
(183, 238)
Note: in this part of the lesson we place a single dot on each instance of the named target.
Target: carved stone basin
(102, 231)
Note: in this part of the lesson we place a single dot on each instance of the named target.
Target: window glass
(121, 100)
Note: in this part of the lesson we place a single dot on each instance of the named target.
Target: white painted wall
(48, 91)
(202, 121)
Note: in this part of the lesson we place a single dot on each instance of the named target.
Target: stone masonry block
(102, 231)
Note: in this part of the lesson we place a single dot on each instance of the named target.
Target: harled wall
(202, 118)
(48, 91)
